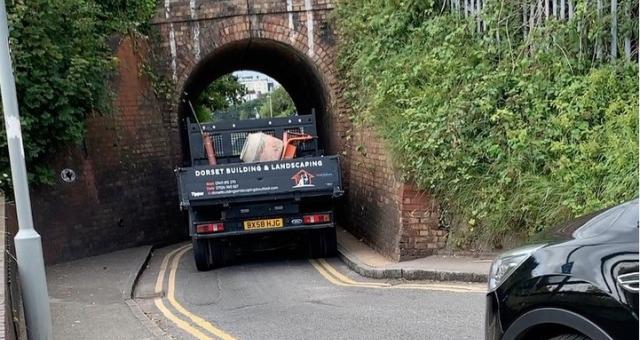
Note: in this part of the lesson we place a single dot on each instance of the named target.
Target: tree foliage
(223, 100)
(62, 64)
(214, 102)
(512, 132)
(278, 103)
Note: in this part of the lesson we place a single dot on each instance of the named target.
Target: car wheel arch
(561, 317)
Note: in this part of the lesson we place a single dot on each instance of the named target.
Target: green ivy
(62, 64)
(513, 133)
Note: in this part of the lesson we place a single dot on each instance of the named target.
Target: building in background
(256, 83)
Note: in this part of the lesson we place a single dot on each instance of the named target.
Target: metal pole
(27, 241)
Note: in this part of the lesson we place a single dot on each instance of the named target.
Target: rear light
(209, 228)
(315, 219)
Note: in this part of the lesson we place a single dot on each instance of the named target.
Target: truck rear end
(235, 201)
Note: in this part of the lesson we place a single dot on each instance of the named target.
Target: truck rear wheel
(208, 254)
(330, 242)
(322, 243)
(202, 254)
(217, 253)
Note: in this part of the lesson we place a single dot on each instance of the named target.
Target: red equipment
(290, 140)
(209, 148)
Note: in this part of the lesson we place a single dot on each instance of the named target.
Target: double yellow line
(202, 329)
(198, 327)
(339, 279)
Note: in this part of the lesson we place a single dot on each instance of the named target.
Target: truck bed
(249, 182)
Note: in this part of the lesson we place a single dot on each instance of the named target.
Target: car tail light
(317, 218)
(209, 228)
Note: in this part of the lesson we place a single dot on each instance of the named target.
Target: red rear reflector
(209, 228)
(318, 218)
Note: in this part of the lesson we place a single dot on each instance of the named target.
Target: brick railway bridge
(125, 192)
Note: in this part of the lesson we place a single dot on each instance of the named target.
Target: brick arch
(393, 216)
(238, 30)
(293, 70)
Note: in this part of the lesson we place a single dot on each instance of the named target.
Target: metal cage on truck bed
(231, 181)
(229, 136)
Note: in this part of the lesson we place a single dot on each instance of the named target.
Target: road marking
(163, 268)
(339, 279)
(179, 322)
(345, 278)
(321, 265)
(171, 284)
(160, 304)
(172, 300)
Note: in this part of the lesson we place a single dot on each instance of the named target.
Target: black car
(583, 284)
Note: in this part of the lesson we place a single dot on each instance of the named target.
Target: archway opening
(290, 68)
(243, 95)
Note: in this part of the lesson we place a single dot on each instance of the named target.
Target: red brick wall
(125, 191)
(391, 216)
(420, 220)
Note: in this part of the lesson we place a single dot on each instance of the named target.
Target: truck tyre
(208, 253)
(202, 254)
(322, 243)
(330, 242)
(216, 247)
(569, 337)
(314, 244)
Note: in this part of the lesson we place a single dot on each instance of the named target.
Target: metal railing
(605, 27)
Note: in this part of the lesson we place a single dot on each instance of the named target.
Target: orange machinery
(290, 140)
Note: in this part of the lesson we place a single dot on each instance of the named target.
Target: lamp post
(27, 241)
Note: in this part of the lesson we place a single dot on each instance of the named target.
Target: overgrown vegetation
(513, 132)
(62, 63)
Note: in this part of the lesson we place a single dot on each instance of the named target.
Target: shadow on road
(272, 248)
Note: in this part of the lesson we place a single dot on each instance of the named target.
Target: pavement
(91, 298)
(367, 262)
(279, 295)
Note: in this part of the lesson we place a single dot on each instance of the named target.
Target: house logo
(302, 179)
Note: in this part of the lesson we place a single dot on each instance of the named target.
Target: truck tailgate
(238, 182)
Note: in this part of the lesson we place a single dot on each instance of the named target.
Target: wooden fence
(618, 18)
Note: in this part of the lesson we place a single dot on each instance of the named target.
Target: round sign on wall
(68, 175)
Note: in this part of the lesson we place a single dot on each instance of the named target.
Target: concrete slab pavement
(91, 298)
(367, 262)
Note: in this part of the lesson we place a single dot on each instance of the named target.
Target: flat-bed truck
(233, 202)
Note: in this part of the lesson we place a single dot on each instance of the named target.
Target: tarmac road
(276, 296)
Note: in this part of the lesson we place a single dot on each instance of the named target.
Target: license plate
(263, 224)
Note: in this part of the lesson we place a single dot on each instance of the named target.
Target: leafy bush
(62, 63)
(512, 134)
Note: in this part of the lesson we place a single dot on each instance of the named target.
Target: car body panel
(578, 276)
